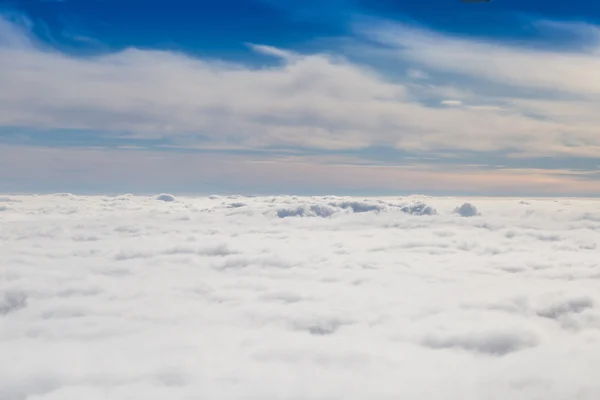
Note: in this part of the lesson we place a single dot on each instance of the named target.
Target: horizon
(233, 195)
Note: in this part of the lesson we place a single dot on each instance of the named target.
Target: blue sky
(304, 97)
(221, 28)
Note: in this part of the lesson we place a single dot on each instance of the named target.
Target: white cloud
(452, 103)
(417, 74)
(571, 72)
(271, 51)
(128, 296)
(314, 100)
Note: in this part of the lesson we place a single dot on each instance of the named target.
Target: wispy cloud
(315, 100)
(454, 94)
(561, 72)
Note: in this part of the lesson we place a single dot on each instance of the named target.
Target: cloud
(563, 307)
(320, 101)
(492, 343)
(165, 197)
(331, 208)
(520, 66)
(194, 298)
(467, 210)
(557, 86)
(417, 74)
(452, 103)
(12, 302)
(13, 28)
(271, 51)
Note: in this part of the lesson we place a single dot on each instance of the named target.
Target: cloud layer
(498, 97)
(221, 297)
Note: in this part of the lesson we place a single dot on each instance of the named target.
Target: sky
(349, 97)
(288, 297)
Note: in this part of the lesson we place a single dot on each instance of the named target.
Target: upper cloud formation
(509, 98)
(568, 72)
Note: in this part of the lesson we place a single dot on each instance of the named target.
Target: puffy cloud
(467, 210)
(335, 207)
(129, 296)
(165, 197)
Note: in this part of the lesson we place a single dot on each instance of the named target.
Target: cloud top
(180, 299)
